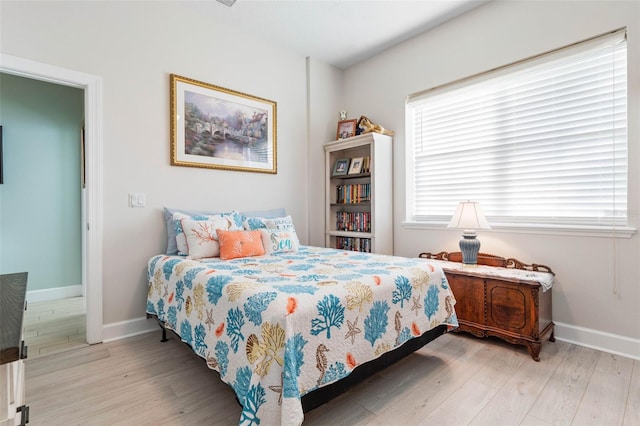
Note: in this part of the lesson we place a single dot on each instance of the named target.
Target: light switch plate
(137, 200)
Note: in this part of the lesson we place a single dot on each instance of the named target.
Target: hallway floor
(55, 326)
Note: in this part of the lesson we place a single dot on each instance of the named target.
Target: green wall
(40, 200)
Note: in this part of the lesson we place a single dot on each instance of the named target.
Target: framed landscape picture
(219, 128)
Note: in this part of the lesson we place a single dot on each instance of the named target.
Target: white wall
(134, 46)
(325, 103)
(597, 290)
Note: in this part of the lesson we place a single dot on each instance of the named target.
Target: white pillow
(233, 222)
(275, 241)
(174, 227)
(201, 236)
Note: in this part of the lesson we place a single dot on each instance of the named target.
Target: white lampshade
(469, 215)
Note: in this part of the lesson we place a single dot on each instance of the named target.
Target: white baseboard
(124, 329)
(56, 293)
(606, 342)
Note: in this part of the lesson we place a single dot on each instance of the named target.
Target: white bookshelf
(375, 202)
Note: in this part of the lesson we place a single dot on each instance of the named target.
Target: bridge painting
(222, 129)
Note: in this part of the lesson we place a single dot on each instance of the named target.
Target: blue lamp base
(469, 246)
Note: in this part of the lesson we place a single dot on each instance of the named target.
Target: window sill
(566, 230)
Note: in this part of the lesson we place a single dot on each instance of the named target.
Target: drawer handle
(23, 350)
(24, 410)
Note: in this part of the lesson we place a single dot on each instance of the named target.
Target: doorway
(92, 202)
(41, 207)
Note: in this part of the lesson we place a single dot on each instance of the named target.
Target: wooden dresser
(13, 411)
(501, 297)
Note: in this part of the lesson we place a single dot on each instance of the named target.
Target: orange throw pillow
(235, 244)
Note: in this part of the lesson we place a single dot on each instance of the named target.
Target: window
(543, 141)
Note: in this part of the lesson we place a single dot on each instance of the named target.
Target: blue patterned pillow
(276, 223)
(279, 223)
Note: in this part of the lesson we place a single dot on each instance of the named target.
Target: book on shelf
(353, 193)
(366, 165)
(353, 221)
(354, 244)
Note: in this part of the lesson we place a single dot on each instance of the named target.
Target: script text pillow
(279, 223)
(275, 241)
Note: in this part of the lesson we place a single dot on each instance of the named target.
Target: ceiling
(342, 32)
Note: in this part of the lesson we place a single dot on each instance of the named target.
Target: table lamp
(469, 216)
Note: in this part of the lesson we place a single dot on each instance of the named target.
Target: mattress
(280, 326)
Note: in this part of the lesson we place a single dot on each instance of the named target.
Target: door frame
(92, 199)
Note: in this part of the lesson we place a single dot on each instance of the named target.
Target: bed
(288, 329)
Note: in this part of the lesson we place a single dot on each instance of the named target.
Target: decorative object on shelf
(219, 128)
(469, 216)
(366, 126)
(356, 166)
(343, 115)
(346, 129)
(341, 167)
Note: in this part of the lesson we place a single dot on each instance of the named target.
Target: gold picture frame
(346, 129)
(218, 128)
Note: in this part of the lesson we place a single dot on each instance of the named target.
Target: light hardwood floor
(454, 380)
(55, 326)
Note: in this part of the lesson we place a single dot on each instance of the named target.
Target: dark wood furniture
(490, 301)
(13, 289)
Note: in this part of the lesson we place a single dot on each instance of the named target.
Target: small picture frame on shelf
(346, 129)
(356, 166)
(341, 167)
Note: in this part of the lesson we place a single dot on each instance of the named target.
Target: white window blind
(541, 141)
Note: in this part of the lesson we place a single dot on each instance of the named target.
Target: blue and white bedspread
(277, 327)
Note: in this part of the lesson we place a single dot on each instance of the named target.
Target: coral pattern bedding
(279, 326)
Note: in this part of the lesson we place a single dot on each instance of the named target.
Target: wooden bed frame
(324, 394)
